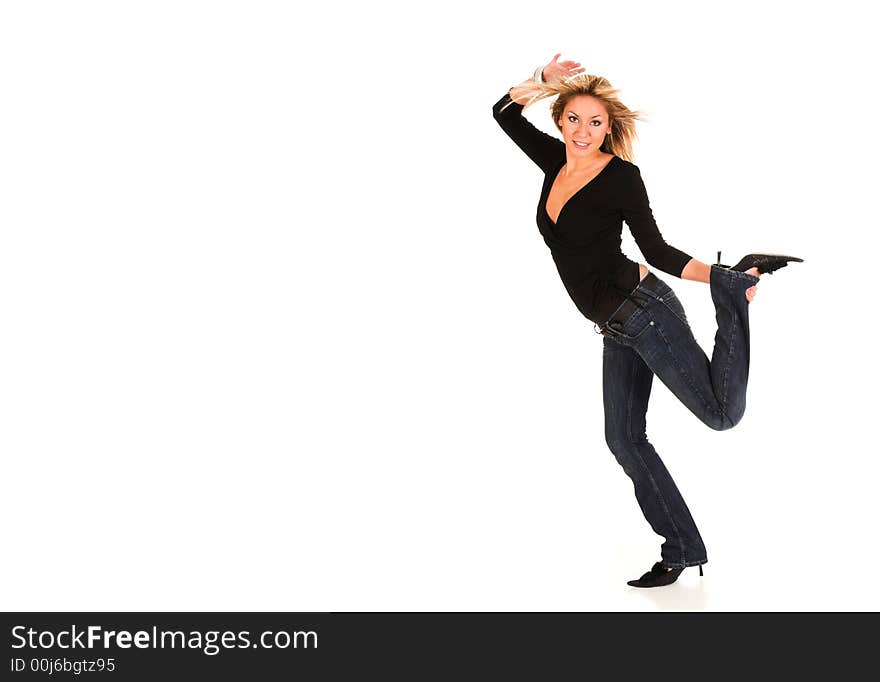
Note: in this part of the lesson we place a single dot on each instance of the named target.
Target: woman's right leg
(626, 388)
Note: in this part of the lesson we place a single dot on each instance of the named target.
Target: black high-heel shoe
(765, 262)
(659, 576)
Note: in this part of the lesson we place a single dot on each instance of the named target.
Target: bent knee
(724, 421)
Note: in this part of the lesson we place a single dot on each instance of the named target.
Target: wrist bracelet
(539, 75)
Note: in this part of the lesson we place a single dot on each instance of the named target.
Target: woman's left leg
(626, 388)
(656, 327)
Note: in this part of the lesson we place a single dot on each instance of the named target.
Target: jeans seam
(629, 433)
(706, 404)
(687, 564)
(671, 310)
(731, 351)
(738, 274)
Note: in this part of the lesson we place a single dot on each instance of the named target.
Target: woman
(591, 187)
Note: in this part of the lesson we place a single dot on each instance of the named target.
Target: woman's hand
(751, 292)
(555, 69)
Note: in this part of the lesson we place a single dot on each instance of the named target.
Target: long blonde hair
(621, 118)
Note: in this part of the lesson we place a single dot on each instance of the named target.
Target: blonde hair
(622, 119)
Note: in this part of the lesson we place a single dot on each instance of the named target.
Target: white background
(279, 331)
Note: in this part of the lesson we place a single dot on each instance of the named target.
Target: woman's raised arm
(545, 150)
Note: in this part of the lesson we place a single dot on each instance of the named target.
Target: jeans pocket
(637, 324)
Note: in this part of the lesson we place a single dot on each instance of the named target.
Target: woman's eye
(572, 119)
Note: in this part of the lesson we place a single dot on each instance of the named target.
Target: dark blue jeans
(652, 336)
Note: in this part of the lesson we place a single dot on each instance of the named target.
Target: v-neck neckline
(580, 189)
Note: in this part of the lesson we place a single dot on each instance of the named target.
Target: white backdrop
(279, 331)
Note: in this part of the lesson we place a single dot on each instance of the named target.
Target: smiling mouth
(581, 144)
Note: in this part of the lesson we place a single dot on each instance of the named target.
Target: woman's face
(585, 120)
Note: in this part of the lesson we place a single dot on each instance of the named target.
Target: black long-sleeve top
(585, 242)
